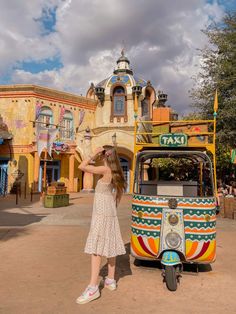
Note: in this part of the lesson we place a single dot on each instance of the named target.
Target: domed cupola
(123, 65)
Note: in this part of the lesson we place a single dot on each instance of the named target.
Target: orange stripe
(146, 227)
(149, 203)
(179, 204)
(151, 215)
(199, 231)
(198, 218)
(151, 242)
(211, 257)
(197, 206)
(193, 249)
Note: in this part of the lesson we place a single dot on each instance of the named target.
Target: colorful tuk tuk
(174, 194)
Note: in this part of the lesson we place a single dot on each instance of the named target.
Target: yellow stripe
(188, 246)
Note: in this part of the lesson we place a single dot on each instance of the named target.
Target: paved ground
(43, 268)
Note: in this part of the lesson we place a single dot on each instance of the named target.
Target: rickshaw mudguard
(170, 258)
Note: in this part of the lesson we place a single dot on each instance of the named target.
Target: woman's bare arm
(86, 167)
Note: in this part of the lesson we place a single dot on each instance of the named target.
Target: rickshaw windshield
(172, 173)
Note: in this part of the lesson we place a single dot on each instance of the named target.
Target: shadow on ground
(17, 219)
(9, 233)
(187, 267)
(122, 265)
(13, 217)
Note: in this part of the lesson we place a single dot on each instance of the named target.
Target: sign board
(173, 140)
(196, 138)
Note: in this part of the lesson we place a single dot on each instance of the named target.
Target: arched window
(119, 104)
(46, 117)
(66, 130)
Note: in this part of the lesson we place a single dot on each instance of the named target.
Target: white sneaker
(110, 284)
(88, 295)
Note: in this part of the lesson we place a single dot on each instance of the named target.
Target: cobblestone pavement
(43, 268)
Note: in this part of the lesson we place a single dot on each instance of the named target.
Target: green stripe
(155, 234)
(199, 211)
(153, 222)
(199, 225)
(147, 209)
(200, 237)
(179, 199)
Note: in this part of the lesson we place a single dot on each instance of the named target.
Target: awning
(5, 135)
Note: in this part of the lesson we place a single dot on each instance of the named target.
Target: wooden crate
(54, 190)
(52, 201)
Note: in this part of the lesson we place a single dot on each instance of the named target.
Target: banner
(81, 116)
(62, 112)
(52, 136)
(233, 156)
(37, 109)
(45, 139)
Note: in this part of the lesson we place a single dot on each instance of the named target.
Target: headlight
(173, 240)
(173, 219)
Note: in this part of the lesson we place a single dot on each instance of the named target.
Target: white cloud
(161, 38)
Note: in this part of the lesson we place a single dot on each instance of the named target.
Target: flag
(81, 116)
(216, 102)
(42, 138)
(45, 139)
(51, 138)
(37, 109)
(233, 156)
(62, 112)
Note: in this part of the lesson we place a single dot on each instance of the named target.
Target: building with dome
(114, 115)
(104, 117)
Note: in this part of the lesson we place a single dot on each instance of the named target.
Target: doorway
(3, 176)
(125, 167)
(52, 172)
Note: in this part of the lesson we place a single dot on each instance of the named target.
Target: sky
(67, 44)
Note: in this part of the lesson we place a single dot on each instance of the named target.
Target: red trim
(203, 250)
(144, 246)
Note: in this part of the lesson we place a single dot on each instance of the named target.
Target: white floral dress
(104, 236)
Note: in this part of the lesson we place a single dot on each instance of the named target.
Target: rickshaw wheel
(171, 278)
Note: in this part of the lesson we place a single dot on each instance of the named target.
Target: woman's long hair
(113, 162)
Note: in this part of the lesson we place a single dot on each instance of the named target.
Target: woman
(104, 237)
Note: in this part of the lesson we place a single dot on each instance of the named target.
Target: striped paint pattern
(199, 226)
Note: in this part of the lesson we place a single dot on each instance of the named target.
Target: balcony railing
(66, 134)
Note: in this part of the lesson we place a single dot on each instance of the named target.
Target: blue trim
(4, 177)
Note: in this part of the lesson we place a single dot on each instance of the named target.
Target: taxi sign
(173, 140)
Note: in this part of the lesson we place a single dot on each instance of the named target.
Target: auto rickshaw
(174, 194)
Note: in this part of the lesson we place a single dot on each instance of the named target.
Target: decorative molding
(99, 130)
(24, 91)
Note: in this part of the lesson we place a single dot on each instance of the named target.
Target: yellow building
(104, 116)
(19, 160)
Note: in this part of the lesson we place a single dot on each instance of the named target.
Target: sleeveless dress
(104, 236)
